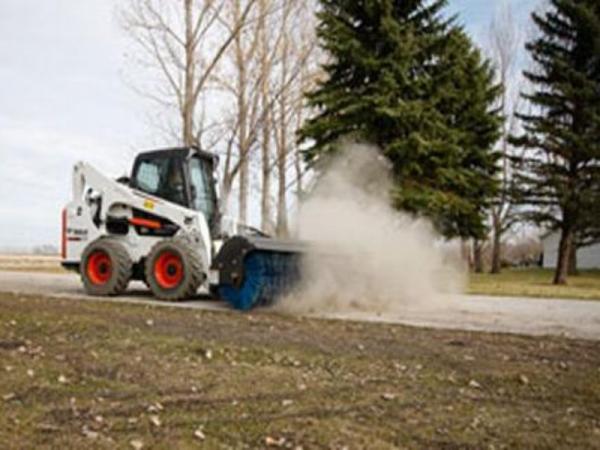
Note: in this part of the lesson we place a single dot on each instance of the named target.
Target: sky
(66, 95)
(476, 15)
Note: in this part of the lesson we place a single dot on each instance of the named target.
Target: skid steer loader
(162, 226)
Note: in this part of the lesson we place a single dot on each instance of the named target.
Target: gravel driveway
(571, 318)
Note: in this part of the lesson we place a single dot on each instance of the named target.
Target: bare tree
(266, 221)
(264, 78)
(297, 53)
(504, 45)
(179, 42)
(245, 79)
(250, 56)
(281, 136)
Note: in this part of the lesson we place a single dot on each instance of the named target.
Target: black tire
(174, 269)
(105, 267)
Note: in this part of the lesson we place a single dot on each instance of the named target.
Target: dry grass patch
(96, 375)
(31, 263)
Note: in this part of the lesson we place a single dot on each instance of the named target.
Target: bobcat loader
(162, 226)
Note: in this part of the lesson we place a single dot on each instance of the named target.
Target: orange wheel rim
(168, 270)
(99, 267)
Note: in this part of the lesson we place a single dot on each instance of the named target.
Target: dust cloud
(364, 255)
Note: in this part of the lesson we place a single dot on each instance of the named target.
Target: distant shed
(587, 257)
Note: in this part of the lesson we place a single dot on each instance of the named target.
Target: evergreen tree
(559, 174)
(404, 78)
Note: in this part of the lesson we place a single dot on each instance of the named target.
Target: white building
(587, 257)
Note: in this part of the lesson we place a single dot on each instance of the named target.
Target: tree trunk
(265, 203)
(573, 260)
(477, 256)
(496, 243)
(466, 254)
(266, 223)
(564, 250)
(282, 150)
(282, 223)
(242, 111)
(265, 196)
(224, 194)
(298, 168)
(187, 112)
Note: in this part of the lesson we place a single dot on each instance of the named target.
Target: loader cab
(184, 176)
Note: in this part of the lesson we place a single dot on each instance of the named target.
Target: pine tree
(404, 78)
(559, 174)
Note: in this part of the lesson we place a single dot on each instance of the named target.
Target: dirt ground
(100, 375)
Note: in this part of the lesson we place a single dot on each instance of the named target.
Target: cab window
(203, 199)
(161, 177)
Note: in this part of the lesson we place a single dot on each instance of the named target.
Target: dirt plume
(364, 254)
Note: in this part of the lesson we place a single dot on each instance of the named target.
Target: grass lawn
(97, 375)
(535, 283)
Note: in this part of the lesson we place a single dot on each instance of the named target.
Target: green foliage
(559, 174)
(405, 79)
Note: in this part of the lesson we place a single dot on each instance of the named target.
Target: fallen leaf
(47, 427)
(199, 434)
(474, 384)
(89, 433)
(155, 420)
(272, 442)
(137, 444)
